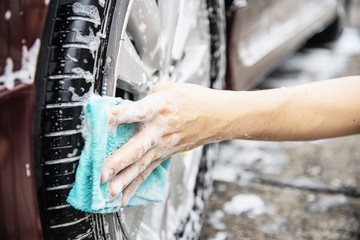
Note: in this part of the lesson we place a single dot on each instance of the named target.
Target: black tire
(62, 83)
(66, 74)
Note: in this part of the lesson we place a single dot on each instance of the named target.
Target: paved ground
(297, 190)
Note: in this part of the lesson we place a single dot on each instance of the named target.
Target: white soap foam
(7, 15)
(72, 58)
(91, 40)
(221, 236)
(90, 11)
(324, 203)
(216, 220)
(226, 173)
(88, 76)
(248, 204)
(26, 74)
(102, 3)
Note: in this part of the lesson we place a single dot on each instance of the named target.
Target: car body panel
(19, 215)
(21, 25)
(263, 33)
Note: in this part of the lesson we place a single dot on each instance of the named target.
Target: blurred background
(293, 190)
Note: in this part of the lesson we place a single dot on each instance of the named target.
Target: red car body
(19, 211)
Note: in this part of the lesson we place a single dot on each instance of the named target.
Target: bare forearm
(178, 117)
(312, 111)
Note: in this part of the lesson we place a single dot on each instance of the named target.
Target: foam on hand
(87, 193)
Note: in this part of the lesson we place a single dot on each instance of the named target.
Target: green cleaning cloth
(87, 193)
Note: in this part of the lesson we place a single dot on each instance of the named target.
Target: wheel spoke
(107, 82)
(131, 69)
(186, 23)
(144, 28)
(193, 67)
(169, 11)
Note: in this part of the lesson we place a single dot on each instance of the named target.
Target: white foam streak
(26, 74)
(86, 10)
(248, 204)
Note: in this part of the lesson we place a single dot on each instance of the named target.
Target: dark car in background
(55, 54)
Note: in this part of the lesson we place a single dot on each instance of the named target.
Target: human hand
(172, 118)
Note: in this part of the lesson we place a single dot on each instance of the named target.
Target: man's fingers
(127, 154)
(122, 179)
(130, 190)
(130, 112)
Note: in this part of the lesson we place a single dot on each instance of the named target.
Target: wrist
(250, 114)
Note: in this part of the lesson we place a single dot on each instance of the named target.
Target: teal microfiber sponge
(87, 193)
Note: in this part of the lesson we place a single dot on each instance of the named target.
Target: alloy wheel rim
(178, 51)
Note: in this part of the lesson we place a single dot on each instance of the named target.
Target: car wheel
(121, 48)
(333, 31)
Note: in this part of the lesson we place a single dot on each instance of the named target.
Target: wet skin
(177, 117)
